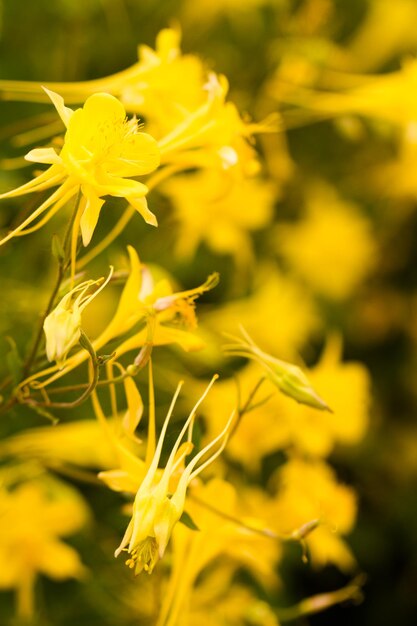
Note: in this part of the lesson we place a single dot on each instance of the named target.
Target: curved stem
(87, 345)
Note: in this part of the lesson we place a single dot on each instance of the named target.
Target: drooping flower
(158, 505)
(102, 151)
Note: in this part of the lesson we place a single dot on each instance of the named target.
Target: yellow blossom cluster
(188, 457)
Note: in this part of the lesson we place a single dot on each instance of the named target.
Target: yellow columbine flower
(33, 518)
(156, 509)
(63, 325)
(102, 150)
(215, 135)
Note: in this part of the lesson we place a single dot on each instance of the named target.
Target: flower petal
(141, 205)
(43, 155)
(90, 215)
(102, 107)
(64, 112)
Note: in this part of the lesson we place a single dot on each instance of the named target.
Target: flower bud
(289, 378)
(62, 326)
(62, 330)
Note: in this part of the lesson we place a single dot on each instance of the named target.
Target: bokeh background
(344, 231)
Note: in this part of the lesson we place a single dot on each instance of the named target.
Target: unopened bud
(62, 330)
(289, 378)
(63, 325)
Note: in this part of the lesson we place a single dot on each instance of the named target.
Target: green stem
(246, 407)
(62, 268)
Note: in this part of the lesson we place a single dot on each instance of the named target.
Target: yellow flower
(386, 97)
(80, 443)
(309, 490)
(33, 517)
(214, 135)
(63, 325)
(262, 431)
(346, 385)
(278, 313)
(101, 152)
(312, 246)
(220, 210)
(168, 85)
(157, 507)
(155, 307)
(279, 423)
(221, 545)
(373, 45)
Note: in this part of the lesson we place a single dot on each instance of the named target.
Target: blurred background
(343, 231)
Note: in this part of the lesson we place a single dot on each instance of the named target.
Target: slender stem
(264, 532)
(25, 596)
(151, 443)
(60, 276)
(246, 407)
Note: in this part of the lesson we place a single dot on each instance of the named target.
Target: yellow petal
(64, 112)
(141, 205)
(43, 155)
(134, 405)
(140, 154)
(90, 215)
(60, 561)
(102, 107)
(121, 480)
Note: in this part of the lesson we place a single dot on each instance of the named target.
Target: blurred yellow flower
(216, 510)
(312, 246)
(219, 210)
(278, 423)
(80, 443)
(168, 85)
(307, 490)
(101, 152)
(33, 517)
(279, 314)
(261, 431)
(388, 97)
(214, 135)
(346, 386)
(373, 44)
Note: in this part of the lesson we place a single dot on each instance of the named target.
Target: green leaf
(57, 248)
(188, 521)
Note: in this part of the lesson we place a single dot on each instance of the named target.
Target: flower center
(144, 556)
